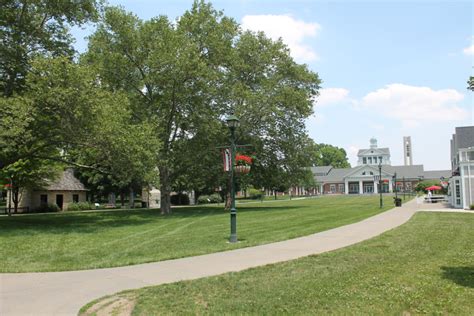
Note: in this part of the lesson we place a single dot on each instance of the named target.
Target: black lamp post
(404, 189)
(380, 184)
(395, 184)
(232, 122)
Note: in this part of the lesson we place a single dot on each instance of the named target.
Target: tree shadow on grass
(91, 222)
(460, 275)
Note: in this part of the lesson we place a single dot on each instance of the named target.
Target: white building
(462, 164)
(373, 155)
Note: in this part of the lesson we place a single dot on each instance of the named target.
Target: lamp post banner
(226, 159)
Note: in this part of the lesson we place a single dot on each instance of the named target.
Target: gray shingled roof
(464, 137)
(409, 172)
(321, 170)
(412, 172)
(437, 174)
(336, 175)
(66, 182)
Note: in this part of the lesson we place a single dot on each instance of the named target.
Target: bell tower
(407, 151)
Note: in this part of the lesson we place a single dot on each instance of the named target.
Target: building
(63, 191)
(407, 151)
(373, 173)
(373, 155)
(461, 184)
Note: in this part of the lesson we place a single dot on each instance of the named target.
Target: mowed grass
(423, 267)
(75, 241)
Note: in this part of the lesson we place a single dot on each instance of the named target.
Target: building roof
(437, 174)
(383, 151)
(66, 182)
(464, 137)
(321, 170)
(335, 175)
(409, 172)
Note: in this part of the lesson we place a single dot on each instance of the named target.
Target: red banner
(226, 159)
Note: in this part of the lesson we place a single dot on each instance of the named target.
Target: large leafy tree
(184, 77)
(31, 28)
(329, 155)
(65, 116)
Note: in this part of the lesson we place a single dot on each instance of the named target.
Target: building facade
(63, 191)
(461, 183)
(373, 174)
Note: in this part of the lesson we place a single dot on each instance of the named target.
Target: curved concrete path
(64, 293)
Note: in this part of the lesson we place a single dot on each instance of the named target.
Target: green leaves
(37, 28)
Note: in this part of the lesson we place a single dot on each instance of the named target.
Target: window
(371, 173)
(332, 188)
(75, 198)
(380, 159)
(341, 188)
(370, 160)
(43, 199)
(364, 161)
(363, 173)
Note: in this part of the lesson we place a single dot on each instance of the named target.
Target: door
(368, 188)
(59, 201)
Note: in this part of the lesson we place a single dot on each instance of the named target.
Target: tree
(470, 83)
(184, 78)
(31, 28)
(329, 155)
(65, 115)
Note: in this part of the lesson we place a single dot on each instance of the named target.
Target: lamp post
(380, 184)
(404, 189)
(232, 122)
(395, 184)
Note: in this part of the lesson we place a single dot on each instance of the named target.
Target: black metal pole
(404, 189)
(380, 185)
(233, 210)
(395, 184)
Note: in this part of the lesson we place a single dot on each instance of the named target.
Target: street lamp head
(233, 121)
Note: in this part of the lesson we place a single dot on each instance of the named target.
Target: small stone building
(63, 191)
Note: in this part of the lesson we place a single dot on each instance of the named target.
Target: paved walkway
(64, 293)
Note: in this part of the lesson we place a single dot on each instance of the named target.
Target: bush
(213, 198)
(81, 206)
(180, 199)
(472, 207)
(48, 208)
(255, 194)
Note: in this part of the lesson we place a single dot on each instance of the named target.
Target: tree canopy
(183, 78)
(31, 28)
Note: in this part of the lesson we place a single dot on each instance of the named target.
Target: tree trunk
(165, 188)
(131, 198)
(122, 199)
(15, 200)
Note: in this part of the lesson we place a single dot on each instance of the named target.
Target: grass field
(74, 241)
(423, 267)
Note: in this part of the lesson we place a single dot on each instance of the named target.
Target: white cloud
(413, 105)
(329, 96)
(293, 32)
(469, 50)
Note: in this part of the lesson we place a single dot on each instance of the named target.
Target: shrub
(213, 198)
(48, 208)
(255, 194)
(81, 206)
(472, 207)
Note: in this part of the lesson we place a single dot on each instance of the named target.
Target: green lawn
(73, 241)
(423, 267)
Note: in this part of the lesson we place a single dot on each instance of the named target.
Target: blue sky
(389, 69)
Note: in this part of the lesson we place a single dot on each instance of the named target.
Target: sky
(389, 68)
